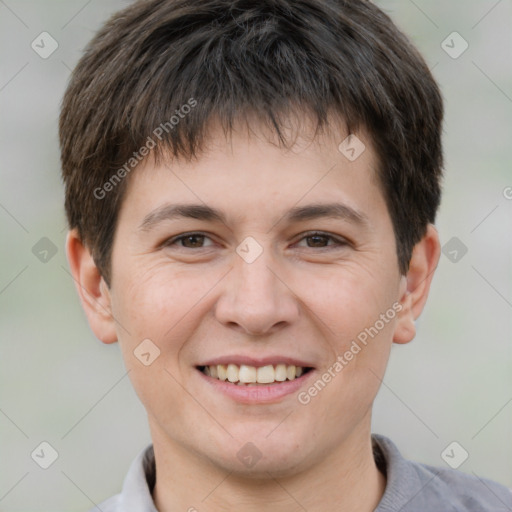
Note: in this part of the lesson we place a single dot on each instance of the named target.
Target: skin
(302, 297)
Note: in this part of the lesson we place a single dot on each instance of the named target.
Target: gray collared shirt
(411, 486)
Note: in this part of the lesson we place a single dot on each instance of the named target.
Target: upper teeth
(245, 374)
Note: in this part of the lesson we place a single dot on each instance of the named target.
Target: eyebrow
(296, 214)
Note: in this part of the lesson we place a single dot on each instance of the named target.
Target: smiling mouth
(245, 375)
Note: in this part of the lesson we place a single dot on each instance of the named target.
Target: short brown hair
(236, 59)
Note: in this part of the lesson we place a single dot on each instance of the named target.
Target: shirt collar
(139, 483)
(403, 482)
(410, 486)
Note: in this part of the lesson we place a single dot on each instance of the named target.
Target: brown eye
(188, 241)
(194, 241)
(321, 240)
(318, 240)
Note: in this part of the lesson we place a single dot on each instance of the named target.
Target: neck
(345, 480)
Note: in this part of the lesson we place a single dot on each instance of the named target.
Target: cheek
(165, 306)
(351, 299)
(160, 307)
(158, 303)
(355, 306)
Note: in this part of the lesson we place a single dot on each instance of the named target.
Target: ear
(93, 291)
(416, 284)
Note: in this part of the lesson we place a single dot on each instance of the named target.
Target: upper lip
(256, 361)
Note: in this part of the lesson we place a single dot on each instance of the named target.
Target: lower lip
(259, 394)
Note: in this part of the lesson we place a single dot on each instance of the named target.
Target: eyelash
(339, 242)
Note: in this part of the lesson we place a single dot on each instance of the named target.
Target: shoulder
(466, 492)
(412, 486)
(135, 495)
(109, 505)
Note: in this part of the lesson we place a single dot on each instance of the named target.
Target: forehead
(248, 169)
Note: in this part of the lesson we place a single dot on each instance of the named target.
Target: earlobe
(416, 285)
(91, 287)
(405, 329)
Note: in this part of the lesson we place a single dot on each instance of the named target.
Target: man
(251, 189)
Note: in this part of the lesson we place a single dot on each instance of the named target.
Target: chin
(274, 465)
(257, 456)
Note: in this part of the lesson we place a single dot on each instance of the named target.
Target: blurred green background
(61, 385)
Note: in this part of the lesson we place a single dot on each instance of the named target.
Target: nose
(256, 298)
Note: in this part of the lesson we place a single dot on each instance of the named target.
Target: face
(286, 259)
